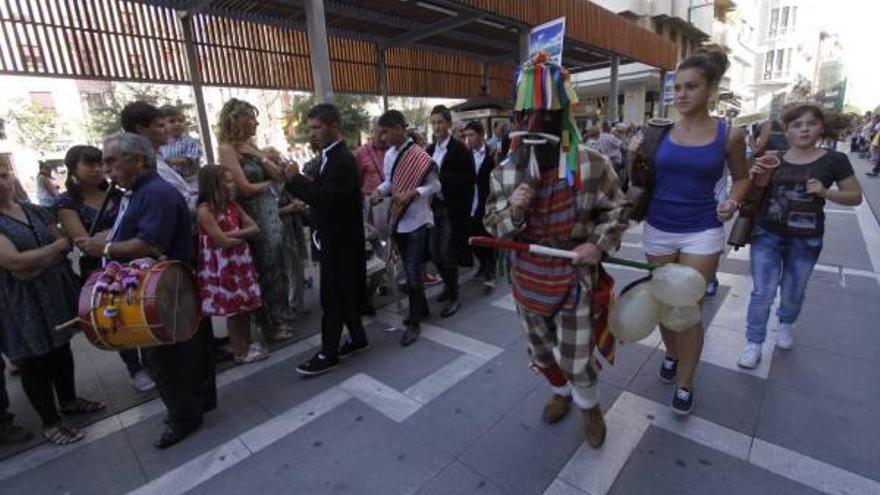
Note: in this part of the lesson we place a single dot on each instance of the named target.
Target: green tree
(39, 127)
(416, 111)
(355, 119)
(850, 108)
(104, 119)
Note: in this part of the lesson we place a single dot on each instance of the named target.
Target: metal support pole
(612, 116)
(523, 46)
(195, 75)
(383, 78)
(661, 106)
(319, 51)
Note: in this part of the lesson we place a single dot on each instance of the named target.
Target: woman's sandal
(281, 335)
(81, 406)
(62, 434)
(253, 355)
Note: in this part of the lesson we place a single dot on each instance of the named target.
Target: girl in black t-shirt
(787, 239)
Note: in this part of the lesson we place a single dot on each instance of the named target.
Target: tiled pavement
(459, 413)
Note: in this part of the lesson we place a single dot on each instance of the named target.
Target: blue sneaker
(711, 288)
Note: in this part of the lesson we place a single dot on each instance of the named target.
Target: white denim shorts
(659, 243)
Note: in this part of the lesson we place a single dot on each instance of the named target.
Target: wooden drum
(162, 309)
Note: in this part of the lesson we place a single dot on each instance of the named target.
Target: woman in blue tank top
(684, 223)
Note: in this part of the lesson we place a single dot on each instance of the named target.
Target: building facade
(788, 50)
(687, 23)
(736, 30)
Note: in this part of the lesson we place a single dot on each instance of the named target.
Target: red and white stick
(523, 247)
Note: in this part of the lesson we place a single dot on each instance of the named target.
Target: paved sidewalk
(459, 413)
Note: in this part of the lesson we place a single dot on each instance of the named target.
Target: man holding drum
(154, 221)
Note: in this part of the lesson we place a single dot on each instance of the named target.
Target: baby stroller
(377, 266)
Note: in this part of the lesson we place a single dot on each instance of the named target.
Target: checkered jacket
(602, 208)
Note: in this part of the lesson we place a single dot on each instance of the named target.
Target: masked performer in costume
(553, 192)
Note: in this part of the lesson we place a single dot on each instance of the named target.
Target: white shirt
(440, 151)
(439, 154)
(479, 156)
(177, 182)
(324, 155)
(419, 212)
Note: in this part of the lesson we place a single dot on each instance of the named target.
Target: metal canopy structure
(472, 43)
(439, 48)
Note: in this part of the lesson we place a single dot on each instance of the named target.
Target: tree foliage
(416, 111)
(39, 127)
(104, 119)
(355, 119)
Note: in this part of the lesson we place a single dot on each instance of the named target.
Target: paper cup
(768, 163)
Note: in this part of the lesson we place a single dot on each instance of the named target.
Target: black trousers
(341, 305)
(46, 376)
(6, 417)
(485, 255)
(184, 376)
(442, 248)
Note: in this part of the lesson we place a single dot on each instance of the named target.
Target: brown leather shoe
(556, 408)
(594, 426)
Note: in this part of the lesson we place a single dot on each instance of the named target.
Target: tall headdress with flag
(542, 84)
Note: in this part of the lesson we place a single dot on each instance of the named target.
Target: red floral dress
(227, 279)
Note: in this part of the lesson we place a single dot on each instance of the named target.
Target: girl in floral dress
(227, 279)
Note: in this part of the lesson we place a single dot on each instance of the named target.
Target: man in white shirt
(452, 208)
(411, 180)
(484, 162)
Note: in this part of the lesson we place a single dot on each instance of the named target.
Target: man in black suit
(452, 207)
(484, 158)
(336, 200)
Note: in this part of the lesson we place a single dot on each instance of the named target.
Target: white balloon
(635, 314)
(677, 285)
(680, 318)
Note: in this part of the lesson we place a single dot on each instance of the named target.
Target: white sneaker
(784, 338)
(142, 382)
(750, 356)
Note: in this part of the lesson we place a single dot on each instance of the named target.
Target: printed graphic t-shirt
(789, 209)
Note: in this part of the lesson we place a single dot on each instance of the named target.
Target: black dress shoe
(450, 309)
(11, 433)
(410, 335)
(173, 435)
(350, 348)
(221, 355)
(319, 364)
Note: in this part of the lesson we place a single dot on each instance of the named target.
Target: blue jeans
(413, 247)
(783, 262)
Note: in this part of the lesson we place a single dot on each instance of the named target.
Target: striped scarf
(409, 170)
(544, 284)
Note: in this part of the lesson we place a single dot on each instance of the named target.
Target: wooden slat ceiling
(264, 44)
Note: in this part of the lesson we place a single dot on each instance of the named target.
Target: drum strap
(123, 206)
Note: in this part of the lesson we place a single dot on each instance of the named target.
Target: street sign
(669, 88)
(548, 37)
(832, 99)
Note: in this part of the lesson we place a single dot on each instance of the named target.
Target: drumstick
(68, 323)
(103, 209)
(549, 251)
